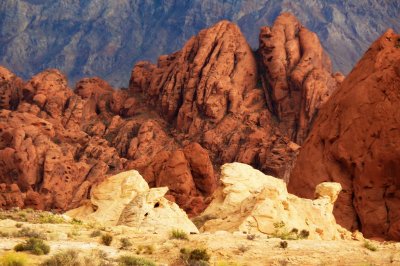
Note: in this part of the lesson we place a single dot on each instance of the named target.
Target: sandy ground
(225, 248)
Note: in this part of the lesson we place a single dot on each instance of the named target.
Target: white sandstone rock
(253, 202)
(126, 199)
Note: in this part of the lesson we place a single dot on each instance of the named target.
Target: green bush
(49, 218)
(106, 239)
(195, 257)
(179, 234)
(34, 245)
(14, 259)
(134, 261)
(283, 233)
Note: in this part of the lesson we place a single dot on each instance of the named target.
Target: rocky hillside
(198, 108)
(104, 38)
(355, 141)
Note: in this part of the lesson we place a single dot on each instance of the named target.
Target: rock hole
(146, 214)
(157, 205)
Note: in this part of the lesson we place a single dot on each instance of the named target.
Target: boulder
(255, 203)
(126, 199)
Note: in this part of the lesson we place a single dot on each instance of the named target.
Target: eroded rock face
(355, 141)
(209, 92)
(197, 109)
(56, 144)
(252, 202)
(296, 73)
(126, 199)
(187, 172)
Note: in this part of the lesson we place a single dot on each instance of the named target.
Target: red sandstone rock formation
(209, 92)
(296, 73)
(195, 110)
(356, 141)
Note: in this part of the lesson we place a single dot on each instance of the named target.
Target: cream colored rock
(328, 189)
(256, 203)
(126, 199)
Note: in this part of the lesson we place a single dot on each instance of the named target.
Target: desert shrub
(76, 221)
(14, 259)
(243, 248)
(195, 256)
(75, 231)
(29, 232)
(283, 233)
(4, 234)
(18, 225)
(49, 218)
(283, 244)
(145, 249)
(251, 236)
(65, 258)
(34, 245)
(125, 243)
(134, 261)
(106, 239)
(370, 246)
(179, 234)
(304, 234)
(95, 233)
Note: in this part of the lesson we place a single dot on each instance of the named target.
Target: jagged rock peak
(204, 81)
(355, 141)
(296, 73)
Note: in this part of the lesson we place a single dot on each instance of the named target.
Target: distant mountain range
(105, 38)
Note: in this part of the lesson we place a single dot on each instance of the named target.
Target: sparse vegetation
(14, 259)
(4, 234)
(243, 248)
(134, 261)
(106, 239)
(74, 232)
(75, 258)
(29, 232)
(283, 244)
(370, 246)
(95, 233)
(195, 257)
(66, 258)
(18, 225)
(34, 245)
(179, 234)
(145, 249)
(49, 218)
(251, 236)
(304, 234)
(125, 243)
(283, 233)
